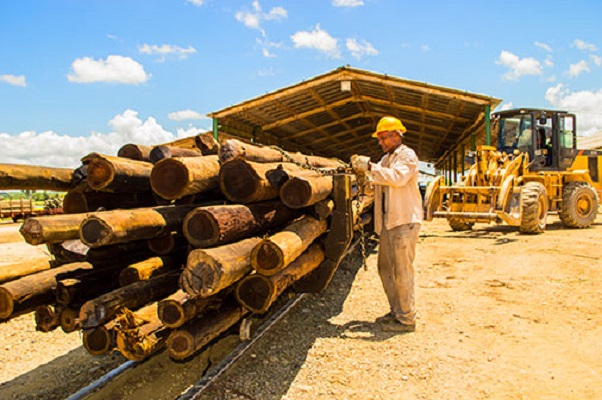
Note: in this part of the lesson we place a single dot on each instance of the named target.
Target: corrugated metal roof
(321, 116)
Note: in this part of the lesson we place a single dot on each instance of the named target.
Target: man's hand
(360, 164)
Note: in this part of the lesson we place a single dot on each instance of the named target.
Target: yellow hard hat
(389, 124)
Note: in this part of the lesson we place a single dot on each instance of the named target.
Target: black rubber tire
(534, 208)
(579, 205)
(459, 225)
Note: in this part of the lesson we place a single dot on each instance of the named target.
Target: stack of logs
(170, 246)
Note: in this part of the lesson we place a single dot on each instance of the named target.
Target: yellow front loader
(535, 169)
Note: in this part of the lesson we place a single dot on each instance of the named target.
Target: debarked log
(210, 270)
(15, 271)
(117, 174)
(303, 191)
(233, 149)
(32, 177)
(160, 152)
(279, 250)
(140, 333)
(120, 226)
(216, 225)
(207, 144)
(135, 152)
(82, 200)
(180, 307)
(102, 309)
(245, 181)
(193, 336)
(258, 292)
(173, 178)
(150, 268)
(100, 340)
(52, 228)
(25, 294)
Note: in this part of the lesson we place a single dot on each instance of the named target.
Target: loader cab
(549, 137)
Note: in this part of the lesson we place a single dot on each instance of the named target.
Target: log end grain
(200, 278)
(94, 231)
(162, 245)
(267, 258)
(201, 228)
(171, 313)
(98, 341)
(128, 276)
(238, 181)
(255, 293)
(169, 178)
(100, 173)
(180, 345)
(32, 231)
(7, 304)
(46, 318)
(75, 202)
(69, 320)
(295, 193)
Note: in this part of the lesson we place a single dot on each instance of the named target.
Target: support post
(488, 125)
(215, 129)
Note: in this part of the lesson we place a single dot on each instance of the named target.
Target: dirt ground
(501, 316)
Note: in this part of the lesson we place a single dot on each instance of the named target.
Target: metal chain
(360, 183)
(307, 165)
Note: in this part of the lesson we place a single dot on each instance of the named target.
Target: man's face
(388, 140)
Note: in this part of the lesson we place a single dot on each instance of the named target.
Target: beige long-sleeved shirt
(395, 178)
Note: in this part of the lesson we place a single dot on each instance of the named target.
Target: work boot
(388, 317)
(396, 326)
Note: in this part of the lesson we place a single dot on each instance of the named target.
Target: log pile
(170, 246)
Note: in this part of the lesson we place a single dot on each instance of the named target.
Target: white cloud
(358, 50)
(425, 47)
(15, 80)
(55, 150)
(596, 59)
(518, 66)
(185, 114)
(253, 19)
(586, 104)
(576, 69)
(548, 63)
(543, 46)
(115, 69)
(197, 3)
(317, 39)
(166, 50)
(581, 45)
(347, 3)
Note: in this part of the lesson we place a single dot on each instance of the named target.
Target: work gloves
(360, 164)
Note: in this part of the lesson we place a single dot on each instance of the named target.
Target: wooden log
(303, 191)
(140, 334)
(81, 200)
(160, 152)
(360, 205)
(173, 178)
(76, 251)
(102, 309)
(324, 208)
(33, 177)
(216, 225)
(120, 226)
(193, 336)
(47, 318)
(276, 252)
(180, 307)
(232, 149)
(150, 268)
(52, 228)
(100, 340)
(25, 294)
(117, 174)
(210, 270)
(76, 289)
(166, 244)
(135, 152)
(207, 144)
(69, 320)
(286, 171)
(245, 182)
(258, 292)
(15, 271)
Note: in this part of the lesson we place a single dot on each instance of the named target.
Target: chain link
(360, 183)
(307, 165)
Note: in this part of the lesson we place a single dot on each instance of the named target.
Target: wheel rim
(543, 209)
(584, 205)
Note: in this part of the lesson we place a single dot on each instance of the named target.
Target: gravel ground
(501, 316)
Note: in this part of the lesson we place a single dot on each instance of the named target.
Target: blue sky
(80, 76)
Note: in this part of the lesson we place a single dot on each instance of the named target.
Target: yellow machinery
(535, 169)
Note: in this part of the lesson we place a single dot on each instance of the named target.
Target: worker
(397, 219)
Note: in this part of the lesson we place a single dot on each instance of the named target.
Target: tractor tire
(534, 208)
(459, 225)
(579, 205)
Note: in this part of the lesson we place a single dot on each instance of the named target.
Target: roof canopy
(334, 115)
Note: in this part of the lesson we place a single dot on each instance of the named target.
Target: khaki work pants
(396, 269)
